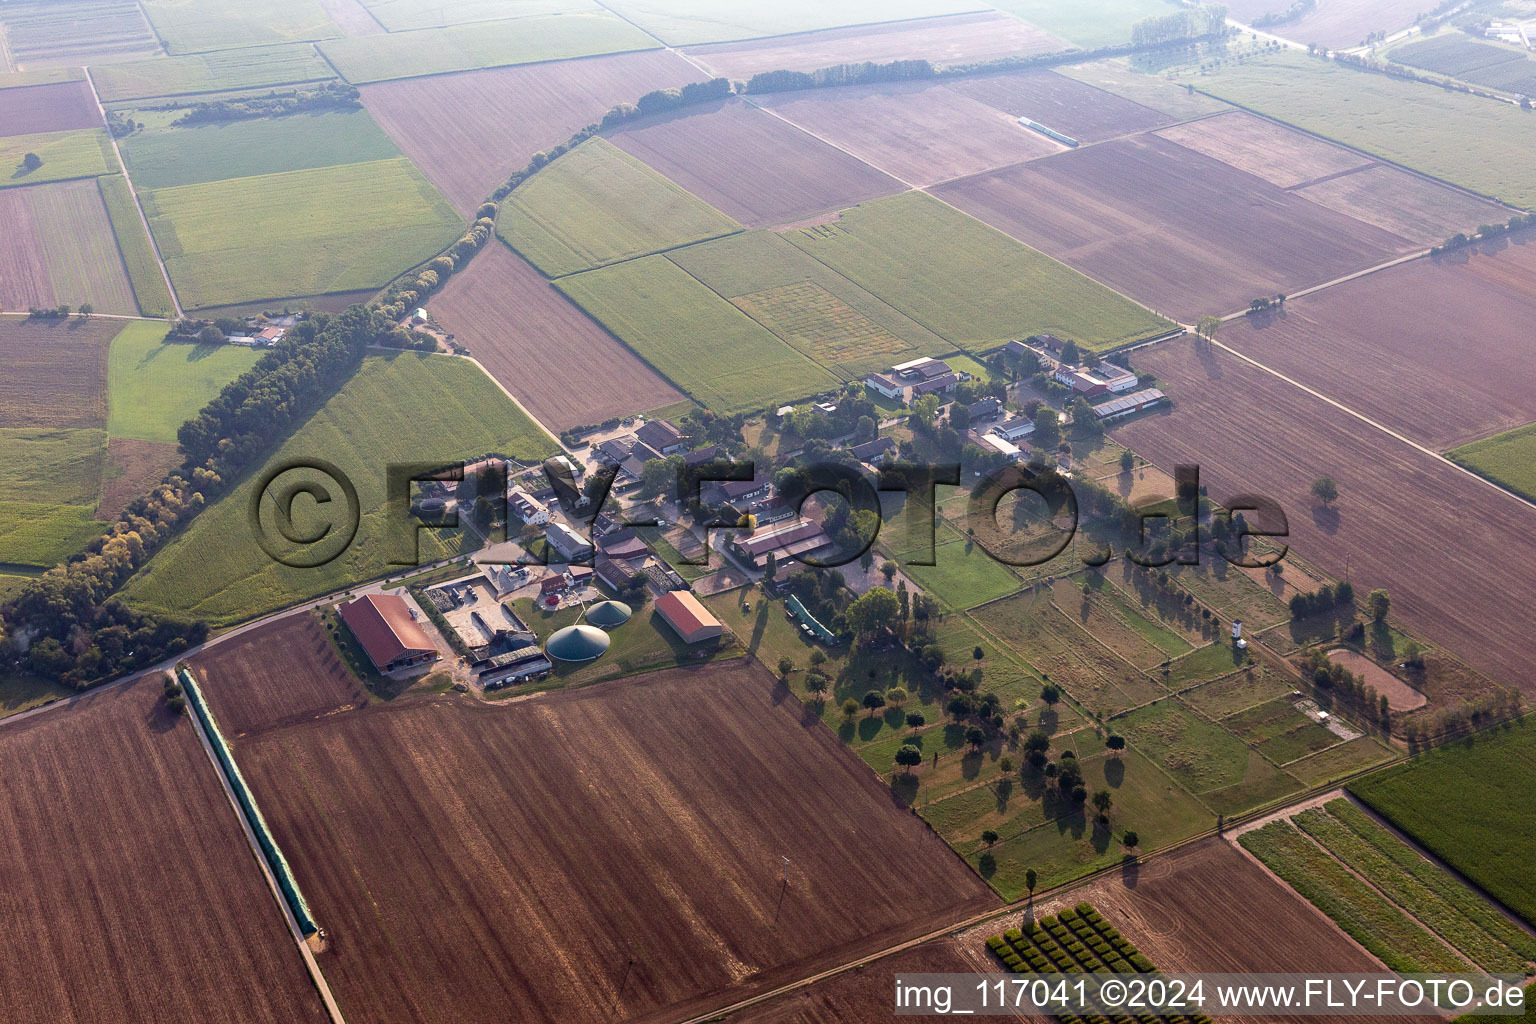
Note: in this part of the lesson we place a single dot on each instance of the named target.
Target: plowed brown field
(476, 863)
(1178, 231)
(55, 372)
(24, 280)
(565, 368)
(752, 165)
(1453, 551)
(468, 131)
(1083, 111)
(133, 468)
(283, 672)
(922, 132)
(1437, 349)
(955, 39)
(130, 892)
(48, 108)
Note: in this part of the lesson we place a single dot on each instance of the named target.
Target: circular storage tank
(577, 643)
(608, 614)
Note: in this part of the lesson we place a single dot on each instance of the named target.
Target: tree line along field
(733, 781)
(1508, 460)
(1464, 139)
(1396, 345)
(435, 51)
(248, 67)
(298, 233)
(971, 285)
(597, 205)
(752, 165)
(402, 408)
(661, 311)
(516, 325)
(1250, 431)
(124, 784)
(1457, 802)
(466, 131)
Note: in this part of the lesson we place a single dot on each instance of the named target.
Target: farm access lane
(139, 207)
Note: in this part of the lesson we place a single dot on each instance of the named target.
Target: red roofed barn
(390, 635)
(688, 617)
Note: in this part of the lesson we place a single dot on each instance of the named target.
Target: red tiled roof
(382, 623)
(687, 614)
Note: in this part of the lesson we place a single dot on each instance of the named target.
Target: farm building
(662, 436)
(527, 508)
(737, 492)
(622, 543)
(618, 576)
(1127, 405)
(1090, 382)
(688, 617)
(580, 642)
(986, 409)
(608, 614)
(1012, 430)
(883, 384)
(872, 451)
(615, 450)
(567, 543)
(388, 631)
(915, 377)
(792, 539)
(1002, 446)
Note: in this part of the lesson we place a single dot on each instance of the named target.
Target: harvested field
(1087, 23)
(281, 673)
(1086, 113)
(1251, 432)
(1150, 90)
(1178, 231)
(863, 995)
(467, 132)
(752, 165)
(1263, 148)
(132, 469)
(959, 39)
(49, 33)
(23, 270)
(517, 326)
(681, 22)
(1412, 347)
(125, 787)
(1399, 694)
(1337, 24)
(405, 15)
(62, 251)
(1165, 906)
(55, 372)
(1405, 204)
(449, 841)
(921, 132)
(48, 108)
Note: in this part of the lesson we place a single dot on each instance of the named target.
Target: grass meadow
(249, 67)
(1468, 140)
(971, 285)
(490, 44)
(404, 408)
(193, 26)
(1508, 459)
(172, 157)
(39, 535)
(154, 387)
(64, 155)
(149, 287)
(679, 22)
(1087, 24)
(299, 233)
(662, 313)
(597, 205)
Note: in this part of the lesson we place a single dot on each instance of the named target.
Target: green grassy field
(1199, 754)
(154, 387)
(1341, 761)
(1087, 23)
(1509, 460)
(330, 229)
(406, 15)
(77, 154)
(191, 26)
(1478, 143)
(60, 466)
(149, 287)
(247, 68)
(1434, 906)
(678, 22)
(812, 307)
(40, 535)
(963, 575)
(661, 312)
(597, 205)
(1458, 802)
(973, 286)
(405, 408)
(1364, 914)
(240, 149)
(40, 76)
(491, 44)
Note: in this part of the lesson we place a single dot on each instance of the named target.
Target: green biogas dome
(577, 643)
(608, 614)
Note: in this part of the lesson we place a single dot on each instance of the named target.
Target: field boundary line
(137, 205)
(315, 976)
(1483, 481)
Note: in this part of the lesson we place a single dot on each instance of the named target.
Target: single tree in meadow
(1101, 803)
(1030, 878)
(896, 696)
(909, 757)
(1050, 694)
(874, 700)
(975, 736)
(989, 837)
(915, 720)
(786, 666)
(850, 708)
(1131, 840)
(31, 161)
(1379, 603)
(1325, 490)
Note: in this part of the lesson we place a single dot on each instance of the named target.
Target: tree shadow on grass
(904, 788)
